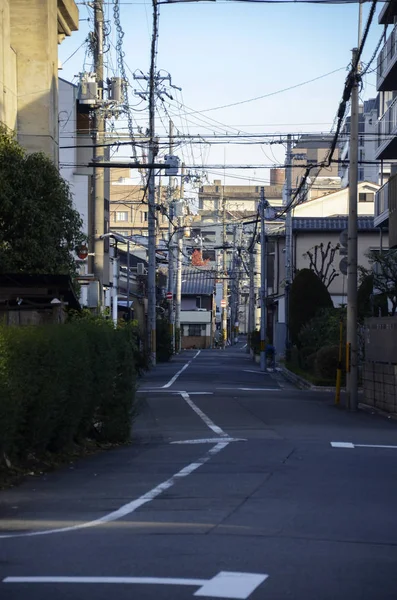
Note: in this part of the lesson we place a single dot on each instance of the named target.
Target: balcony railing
(387, 58)
(387, 128)
(382, 199)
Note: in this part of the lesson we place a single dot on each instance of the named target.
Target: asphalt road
(231, 489)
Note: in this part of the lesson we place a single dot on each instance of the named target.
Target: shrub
(326, 362)
(62, 383)
(255, 341)
(308, 295)
(163, 340)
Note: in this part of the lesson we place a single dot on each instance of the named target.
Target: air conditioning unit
(140, 268)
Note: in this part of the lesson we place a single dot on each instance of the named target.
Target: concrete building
(386, 83)
(129, 209)
(368, 142)
(30, 31)
(75, 151)
(313, 149)
(241, 198)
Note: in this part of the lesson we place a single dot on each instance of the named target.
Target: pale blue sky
(220, 53)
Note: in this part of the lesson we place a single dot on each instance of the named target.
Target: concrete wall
(199, 342)
(380, 386)
(8, 70)
(30, 31)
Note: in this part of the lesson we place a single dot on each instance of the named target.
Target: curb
(304, 384)
(376, 411)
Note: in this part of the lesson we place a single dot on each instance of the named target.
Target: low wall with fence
(379, 373)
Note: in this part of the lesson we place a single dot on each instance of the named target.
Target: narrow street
(231, 489)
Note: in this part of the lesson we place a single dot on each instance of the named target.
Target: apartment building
(368, 142)
(241, 198)
(386, 150)
(30, 31)
(313, 149)
(129, 209)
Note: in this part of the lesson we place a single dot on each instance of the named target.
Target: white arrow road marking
(232, 585)
(224, 585)
(203, 416)
(132, 506)
(175, 377)
(210, 441)
(350, 445)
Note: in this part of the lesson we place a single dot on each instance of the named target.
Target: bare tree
(383, 268)
(321, 260)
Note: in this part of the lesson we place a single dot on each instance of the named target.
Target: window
(143, 216)
(195, 330)
(122, 216)
(198, 301)
(365, 197)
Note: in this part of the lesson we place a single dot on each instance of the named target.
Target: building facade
(386, 150)
(30, 31)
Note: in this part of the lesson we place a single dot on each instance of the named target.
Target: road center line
(203, 416)
(175, 377)
(132, 506)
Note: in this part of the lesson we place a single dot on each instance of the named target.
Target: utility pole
(233, 290)
(151, 316)
(262, 207)
(351, 327)
(224, 268)
(97, 213)
(171, 283)
(288, 239)
(178, 299)
(251, 311)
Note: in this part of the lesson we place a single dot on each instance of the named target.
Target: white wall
(337, 203)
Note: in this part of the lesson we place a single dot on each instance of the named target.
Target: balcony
(381, 216)
(387, 64)
(387, 132)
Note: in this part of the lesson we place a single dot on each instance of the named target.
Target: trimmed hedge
(60, 384)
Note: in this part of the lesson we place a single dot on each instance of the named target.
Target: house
(197, 308)
(36, 299)
(308, 233)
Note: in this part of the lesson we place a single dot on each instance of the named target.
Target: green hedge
(60, 384)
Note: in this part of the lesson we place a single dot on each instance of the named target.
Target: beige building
(241, 198)
(129, 208)
(313, 149)
(30, 31)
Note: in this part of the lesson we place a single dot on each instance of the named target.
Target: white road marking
(342, 445)
(252, 371)
(175, 377)
(350, 445)
(245, 345)
(232, 585)
(209, 440)
(224, 585)
(201, 393)
(203, 416)
(244, 389)
(132, 506)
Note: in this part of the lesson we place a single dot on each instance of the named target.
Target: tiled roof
(197, 282)
(331, 224)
